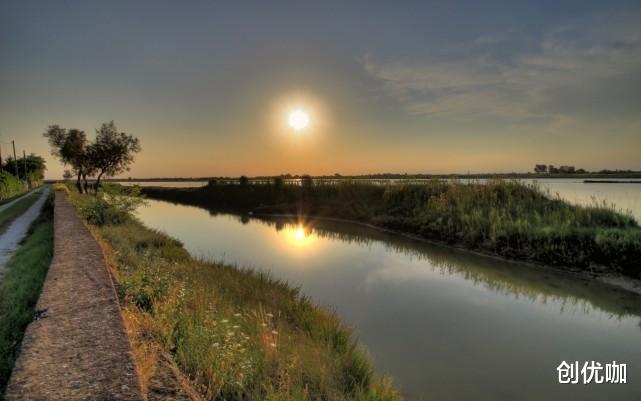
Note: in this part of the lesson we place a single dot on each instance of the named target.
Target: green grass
(503, 218)
(14, 211)
(10, 186)
(237, 334)
(20, 286)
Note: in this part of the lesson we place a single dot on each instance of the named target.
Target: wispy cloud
(573, 72)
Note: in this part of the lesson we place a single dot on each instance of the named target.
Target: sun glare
(298, 119)
(298, 235)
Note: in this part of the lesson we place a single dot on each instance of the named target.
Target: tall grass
(20, 286)
(237, 334)
(10, 186)
(505, 218)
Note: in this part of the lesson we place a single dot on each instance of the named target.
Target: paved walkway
(78, 348)
(10, 239)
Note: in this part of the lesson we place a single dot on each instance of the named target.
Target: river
(445, 324)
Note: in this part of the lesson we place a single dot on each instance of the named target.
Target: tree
(307, 182)
(540, 168)
(112, 152)
(243, 181)
(70, 147)
(35, 168)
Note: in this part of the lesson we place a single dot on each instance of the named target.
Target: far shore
(381, 177)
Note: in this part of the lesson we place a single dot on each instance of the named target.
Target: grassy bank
(20, 286)
(504, 218)
(236, 334)
(8, 215)
(10, 186)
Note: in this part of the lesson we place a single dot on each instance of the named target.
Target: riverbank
(502, 218)
(235, 333)
(75, 346)
(20, 287)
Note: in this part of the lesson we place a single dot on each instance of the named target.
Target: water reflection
(570, 292)
(446, 324)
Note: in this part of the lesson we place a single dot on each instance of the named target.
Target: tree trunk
(85, 184)
(97, 187)
(78, 183)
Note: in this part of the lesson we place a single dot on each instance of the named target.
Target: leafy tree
(540, 168)
(70, 147)
(243, 181)
(112, 152)
(35, 167)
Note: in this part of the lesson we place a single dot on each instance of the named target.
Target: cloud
(571, 73)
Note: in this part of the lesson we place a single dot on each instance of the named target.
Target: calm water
(445, 324)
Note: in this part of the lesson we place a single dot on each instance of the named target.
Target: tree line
(30, 169)
(111, 153)
(551, 169)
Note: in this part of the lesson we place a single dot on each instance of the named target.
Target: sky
(416, 87)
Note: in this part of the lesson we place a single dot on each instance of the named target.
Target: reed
(235, 333)
(505, 218)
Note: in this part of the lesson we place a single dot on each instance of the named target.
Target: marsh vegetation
(504, 218)
(237, 334)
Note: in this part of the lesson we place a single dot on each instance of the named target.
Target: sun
(298, 119)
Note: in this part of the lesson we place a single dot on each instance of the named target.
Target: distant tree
(553, 170)
(306, 181)
(566, 169)
(540, 168)
(581, 171)
(70, 147)
(243, 181)
(67, 175)
(278, 184)
(112, 152)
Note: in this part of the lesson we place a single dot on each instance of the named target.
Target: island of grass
(504, 218)
(234, 333)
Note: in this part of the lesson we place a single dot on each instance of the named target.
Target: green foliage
(10, 186)
(504, 218)
(112, 152)
(237, 334)
(35, 168)
(20, 288)
(113, 205)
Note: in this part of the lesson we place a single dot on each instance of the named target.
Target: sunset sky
(418, 87)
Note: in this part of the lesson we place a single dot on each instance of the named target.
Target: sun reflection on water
(298, 235)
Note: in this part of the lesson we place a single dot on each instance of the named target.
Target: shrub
(10, 186)
(114, 205)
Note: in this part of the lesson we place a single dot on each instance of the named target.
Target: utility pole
(15, 159)
(24, 159)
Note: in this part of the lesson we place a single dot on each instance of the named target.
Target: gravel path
(77, 348)
(18, 229)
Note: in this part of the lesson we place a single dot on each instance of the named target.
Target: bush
(10, 186)
(114, 205)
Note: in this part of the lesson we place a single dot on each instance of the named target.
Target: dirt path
(10, 239)
(77, 349)
(8, 204)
